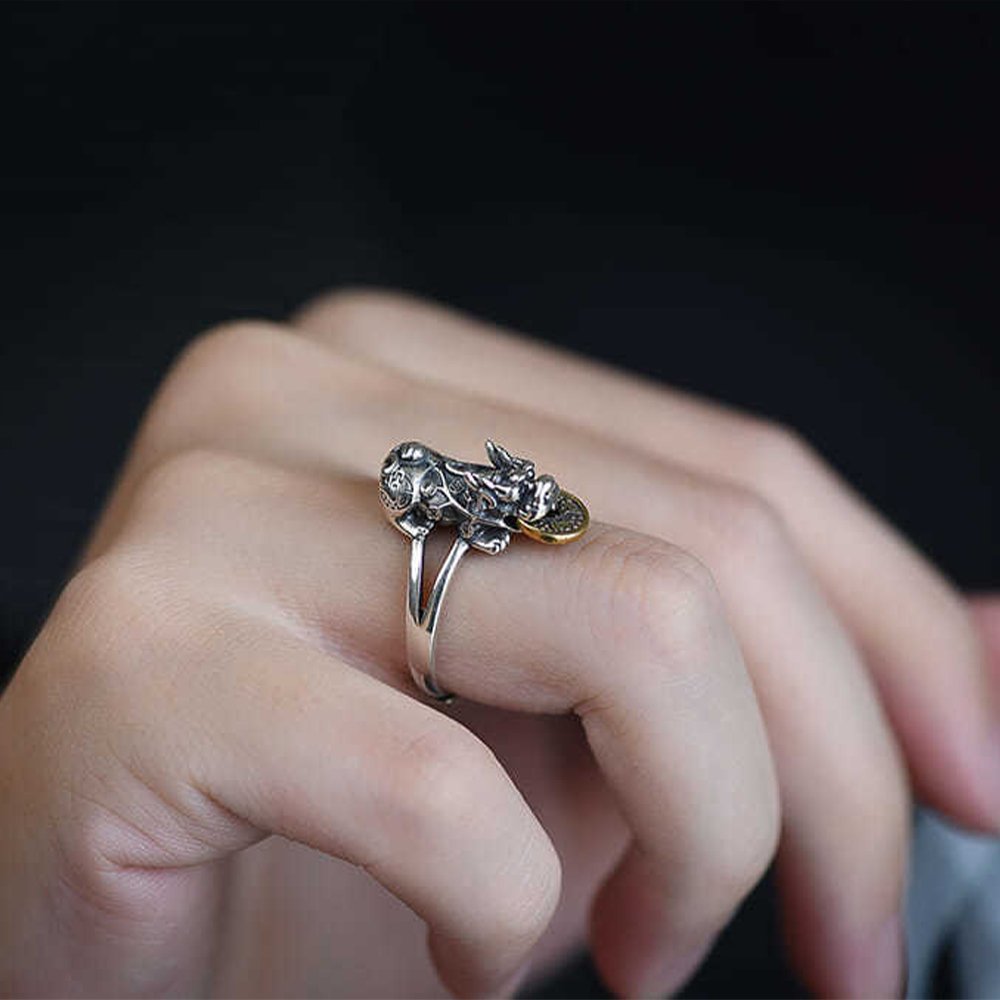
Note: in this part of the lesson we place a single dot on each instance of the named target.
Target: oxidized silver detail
(420, 488)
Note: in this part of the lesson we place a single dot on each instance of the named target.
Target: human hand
(228, 664)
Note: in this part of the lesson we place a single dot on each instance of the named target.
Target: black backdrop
(791, 207)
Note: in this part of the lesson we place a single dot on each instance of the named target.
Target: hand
(738, 656)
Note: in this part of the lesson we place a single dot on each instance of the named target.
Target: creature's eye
(412, 452)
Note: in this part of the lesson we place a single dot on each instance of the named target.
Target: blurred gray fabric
(954, 902)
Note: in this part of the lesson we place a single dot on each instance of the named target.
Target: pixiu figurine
(421, 488)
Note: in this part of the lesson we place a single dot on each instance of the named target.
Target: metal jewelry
(420, 489)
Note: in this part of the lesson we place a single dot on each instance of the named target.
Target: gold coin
(566, 522)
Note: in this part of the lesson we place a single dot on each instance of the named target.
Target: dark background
(791, 207)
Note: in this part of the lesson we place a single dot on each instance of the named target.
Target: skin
(217, 778)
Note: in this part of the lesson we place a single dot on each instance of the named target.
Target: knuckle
(725, 864)
(250, 373)
(523, 908)
(447, 781)
(106, 608)
(227, 342)
(648, 587)
(657, 602)
(89, 670)
(774, 454)
(747, 530)
(439, 779)
(231, 369)
(354, 309)
(98, 598)
(731, 879)
(748, 858)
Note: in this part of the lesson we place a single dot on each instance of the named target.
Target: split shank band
(420, 489)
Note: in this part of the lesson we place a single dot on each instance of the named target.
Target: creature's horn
(498, 455)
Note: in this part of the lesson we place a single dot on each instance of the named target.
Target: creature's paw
(415, 522)
(485, 537)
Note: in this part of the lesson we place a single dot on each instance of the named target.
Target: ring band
(420, 489)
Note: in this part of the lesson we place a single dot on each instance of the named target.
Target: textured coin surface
(567, 522)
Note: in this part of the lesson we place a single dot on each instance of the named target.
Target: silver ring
(420, 489)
